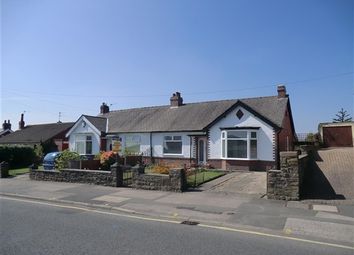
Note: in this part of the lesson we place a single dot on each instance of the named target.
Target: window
(132, 144)
(172, 144)
(239, 144)
(83, 144)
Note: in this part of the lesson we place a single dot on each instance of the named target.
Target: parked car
(49, 160)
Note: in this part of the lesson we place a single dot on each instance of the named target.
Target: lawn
(202, 176)
(19, 171)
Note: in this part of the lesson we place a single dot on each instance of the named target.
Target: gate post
(4, 169)
(117, 173)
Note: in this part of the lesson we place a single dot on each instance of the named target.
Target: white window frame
(173, 140)
(83, 139)
(249, 138)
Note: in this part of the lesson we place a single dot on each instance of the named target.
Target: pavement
(325, 220)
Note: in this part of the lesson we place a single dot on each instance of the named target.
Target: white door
(202, 151)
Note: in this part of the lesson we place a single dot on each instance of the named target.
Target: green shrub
(63, 159)
(17, 156)
(38, 150)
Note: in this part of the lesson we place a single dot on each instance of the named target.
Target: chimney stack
(176, 100)
(21, 123)
(104, 108)
(6, 125)
(282, 91)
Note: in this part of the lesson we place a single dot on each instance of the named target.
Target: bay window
(239, 144)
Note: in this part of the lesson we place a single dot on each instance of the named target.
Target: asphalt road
(32, 228)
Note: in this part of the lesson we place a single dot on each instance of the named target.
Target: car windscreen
(50, 156)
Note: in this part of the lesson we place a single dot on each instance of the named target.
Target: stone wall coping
(274, 171)
(302, 156)
(155, 174)
(83, 170)
(289, 153)
(72, 170)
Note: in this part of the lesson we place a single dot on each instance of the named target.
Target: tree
(342, 116)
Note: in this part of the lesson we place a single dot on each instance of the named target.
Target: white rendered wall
(157, 143)
(264, 134)
(87, 130)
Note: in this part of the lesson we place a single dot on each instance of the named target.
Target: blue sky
(70, 56)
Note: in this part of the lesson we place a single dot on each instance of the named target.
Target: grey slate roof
(99, 122)
(32, 134)
(191, 116)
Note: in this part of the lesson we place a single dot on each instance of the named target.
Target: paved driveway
(244, 182)
(332, 175)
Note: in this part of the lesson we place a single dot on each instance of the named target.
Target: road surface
(28, 227)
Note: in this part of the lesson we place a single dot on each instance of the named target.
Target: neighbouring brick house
(227, 134)
(51, 134)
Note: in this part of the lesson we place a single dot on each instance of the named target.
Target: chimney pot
(176, 100)
(282, 91)
(104, 108)
(21, 123)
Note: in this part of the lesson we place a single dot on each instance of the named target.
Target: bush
(38, 150)
(63, 159)
(17, 156)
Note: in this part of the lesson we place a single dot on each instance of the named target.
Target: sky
(69, 56)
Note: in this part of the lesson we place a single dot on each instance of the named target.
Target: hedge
(17, 156)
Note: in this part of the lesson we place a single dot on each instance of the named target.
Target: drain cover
(188, 222)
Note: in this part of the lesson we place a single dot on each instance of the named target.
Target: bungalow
(51, 135)
(244, 134)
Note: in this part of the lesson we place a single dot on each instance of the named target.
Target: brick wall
(286, 135)
(171, 162)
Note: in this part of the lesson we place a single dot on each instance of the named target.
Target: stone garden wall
(174, 181)
(287, 183)
(105, 178)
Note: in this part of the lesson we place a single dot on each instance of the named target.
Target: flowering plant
(107, 158)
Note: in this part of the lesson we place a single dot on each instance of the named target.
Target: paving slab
(142, 194)
(111, 199)
(333, 216)
(325, 208)
(296, 204)
(328, 230)
(203, 198)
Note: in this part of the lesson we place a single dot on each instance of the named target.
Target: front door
(201, 151)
